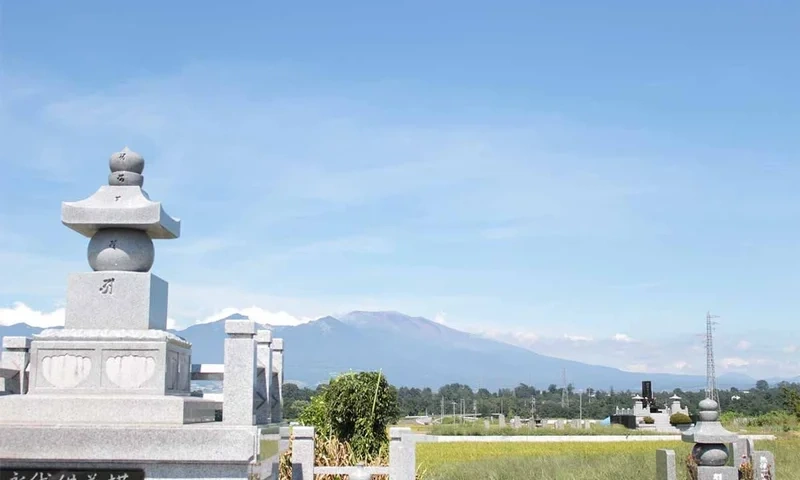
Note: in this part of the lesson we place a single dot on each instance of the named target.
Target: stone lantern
(711, 440)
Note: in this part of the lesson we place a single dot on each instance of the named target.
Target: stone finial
(126, 169)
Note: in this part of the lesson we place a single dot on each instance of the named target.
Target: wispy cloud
(259, 315)
(316, 204)
(734, 362)
(621, 337)
(20, 313)
(578, 338)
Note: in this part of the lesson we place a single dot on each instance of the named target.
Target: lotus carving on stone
(130, 371)
(66, 371)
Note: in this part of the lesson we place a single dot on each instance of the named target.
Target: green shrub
(649, 420)
(680, 419)
(316, 414)
(357, 409)
(361, 406)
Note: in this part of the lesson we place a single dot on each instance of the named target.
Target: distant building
(644, 406)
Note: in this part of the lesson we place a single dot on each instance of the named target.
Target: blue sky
(534, 171)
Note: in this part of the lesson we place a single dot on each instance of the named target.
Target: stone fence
(14, 365)
(402, 456)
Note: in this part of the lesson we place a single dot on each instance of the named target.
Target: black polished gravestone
(7, 473)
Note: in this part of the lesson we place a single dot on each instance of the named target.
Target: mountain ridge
(418, 352)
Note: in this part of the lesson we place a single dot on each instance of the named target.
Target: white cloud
(440, 318)
(577, 338)
(734, 362)
(259, 315)
(524, 339)
(621, 337)
(790, 348)
(172, 324)
(743, 345)
(681, 365)
(21, 313)
(636, 367)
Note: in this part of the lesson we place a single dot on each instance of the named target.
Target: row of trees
(548, 403)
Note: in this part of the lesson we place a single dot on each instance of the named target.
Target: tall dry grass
(330, 452)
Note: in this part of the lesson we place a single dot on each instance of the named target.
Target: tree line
(551, 402)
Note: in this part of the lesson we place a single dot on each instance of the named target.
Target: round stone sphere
(121, 249)
(126, 161)
(710, 454)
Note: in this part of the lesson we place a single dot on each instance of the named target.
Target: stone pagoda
(113, 384)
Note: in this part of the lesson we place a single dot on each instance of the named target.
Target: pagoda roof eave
(119, 207)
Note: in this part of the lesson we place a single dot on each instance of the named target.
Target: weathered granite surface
(94, 409)
(262, 400)
(202, 443)
(240, 373)
(101, 362)
(116, 300)
(133, 210)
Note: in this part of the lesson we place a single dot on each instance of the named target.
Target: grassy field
(480, 430)
(573, 461)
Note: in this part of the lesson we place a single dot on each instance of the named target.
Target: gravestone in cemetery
(109, 393)
(713, 445)
(516, 422)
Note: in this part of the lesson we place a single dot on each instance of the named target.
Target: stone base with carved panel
(103, 362)
(107, 377)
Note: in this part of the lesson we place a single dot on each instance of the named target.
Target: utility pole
(442, 417)
(711, 376)
(580, 408)
(454, 413)
(564, 393)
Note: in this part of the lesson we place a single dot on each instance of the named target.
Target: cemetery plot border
(50, 473)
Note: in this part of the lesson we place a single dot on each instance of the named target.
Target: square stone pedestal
(717, 473)
(116, 300)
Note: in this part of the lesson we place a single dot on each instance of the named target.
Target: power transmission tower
(711, 376)
(564, 394)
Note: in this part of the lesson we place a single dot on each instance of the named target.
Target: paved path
(571, 438)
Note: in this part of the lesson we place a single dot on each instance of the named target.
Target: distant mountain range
(417, 352)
